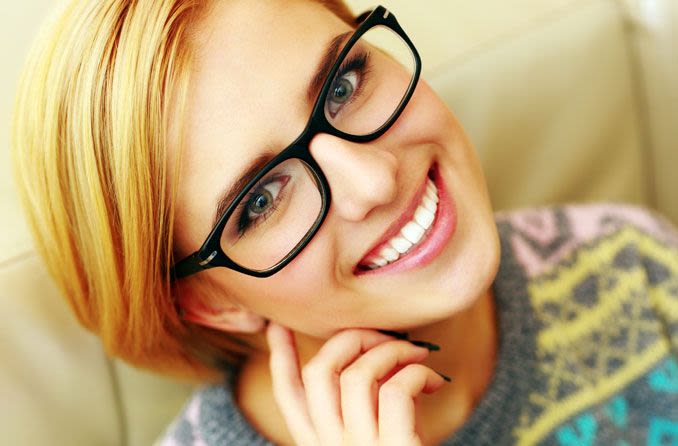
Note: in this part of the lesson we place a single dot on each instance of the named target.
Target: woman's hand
(358, 390)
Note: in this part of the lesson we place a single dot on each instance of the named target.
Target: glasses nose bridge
(348, 152)
(315, 127)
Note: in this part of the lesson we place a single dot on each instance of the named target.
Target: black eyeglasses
(279, 211)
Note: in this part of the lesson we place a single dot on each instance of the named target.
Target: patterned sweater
(587, 310)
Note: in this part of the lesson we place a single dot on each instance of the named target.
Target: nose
(361, 176)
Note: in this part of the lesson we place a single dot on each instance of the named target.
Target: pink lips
(435, 240)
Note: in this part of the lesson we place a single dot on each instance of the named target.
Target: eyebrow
(229, 194)
(325, 65)
(312, 91)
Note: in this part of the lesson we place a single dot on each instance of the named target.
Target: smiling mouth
(408, 232)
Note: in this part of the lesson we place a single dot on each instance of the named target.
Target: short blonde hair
(89, 150)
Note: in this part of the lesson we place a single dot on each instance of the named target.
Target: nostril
(356, 213)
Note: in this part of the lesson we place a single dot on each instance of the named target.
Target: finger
(321, 378)
(288, 389)
(359, 384)
(397, 418)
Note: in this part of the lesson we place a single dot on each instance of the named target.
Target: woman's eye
(261, 202)
(348, 84)
(341, 91)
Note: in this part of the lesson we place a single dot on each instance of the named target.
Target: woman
(308, 218)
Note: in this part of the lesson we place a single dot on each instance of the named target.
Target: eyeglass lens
(373, 79)
(277, 213)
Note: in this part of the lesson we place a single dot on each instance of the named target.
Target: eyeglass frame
(211, 254)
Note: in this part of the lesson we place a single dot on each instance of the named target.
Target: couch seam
(640, 100)
(117, 400)
(16, 258)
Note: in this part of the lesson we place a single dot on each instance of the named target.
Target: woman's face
(248, 96)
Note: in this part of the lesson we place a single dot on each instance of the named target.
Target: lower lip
(441, 231)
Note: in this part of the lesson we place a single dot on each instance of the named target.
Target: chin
(464, 270)
(471, 266)
(471, 262)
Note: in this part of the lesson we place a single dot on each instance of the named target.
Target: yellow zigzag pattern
(571, 342)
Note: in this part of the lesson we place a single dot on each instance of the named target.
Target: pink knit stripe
(586, 222)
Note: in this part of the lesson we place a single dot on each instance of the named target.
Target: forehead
(253, 62)
(254, 55)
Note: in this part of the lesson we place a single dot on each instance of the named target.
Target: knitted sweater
(587, 310)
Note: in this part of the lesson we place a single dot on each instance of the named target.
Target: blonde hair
(89, 137)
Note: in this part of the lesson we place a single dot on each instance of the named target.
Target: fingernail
(430, 346)
(395, 334)
(405, 336)
(445, 377)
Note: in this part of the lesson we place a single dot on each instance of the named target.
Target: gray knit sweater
(587, 310)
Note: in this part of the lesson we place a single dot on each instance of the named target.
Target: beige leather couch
(566, 100)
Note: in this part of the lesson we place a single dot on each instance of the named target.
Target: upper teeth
(411, 233)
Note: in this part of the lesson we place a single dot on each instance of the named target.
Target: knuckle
(396, 387)
(390, 392)
(403, 350)
(354, 376)
(344, 338)
(402, 346)
(352, 335)
(357, 335)
(312, 371)
(414, 370)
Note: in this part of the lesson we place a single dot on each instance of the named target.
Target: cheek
(311, 273)
(436, 122)
(428, 120)
(299, 287)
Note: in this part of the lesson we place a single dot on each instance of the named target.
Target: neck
(468, 346)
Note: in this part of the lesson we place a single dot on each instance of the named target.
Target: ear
(224, 316)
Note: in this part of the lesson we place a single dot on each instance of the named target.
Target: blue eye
(260, 203)
(343, 88)
(347, 84)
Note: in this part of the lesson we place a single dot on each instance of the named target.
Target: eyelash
(359, 62)
(356, 61)
(241, 210)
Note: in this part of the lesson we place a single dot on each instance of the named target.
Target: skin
(253, 62)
